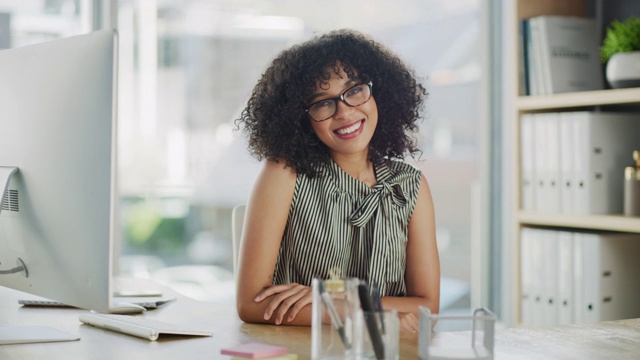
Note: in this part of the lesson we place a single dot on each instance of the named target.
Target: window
(186, 69)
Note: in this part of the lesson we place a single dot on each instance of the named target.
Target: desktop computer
(58, 214)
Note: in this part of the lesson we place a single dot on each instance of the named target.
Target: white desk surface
(228, 330)
(606, 340)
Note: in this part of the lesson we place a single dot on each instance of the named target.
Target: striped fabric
(339, 223)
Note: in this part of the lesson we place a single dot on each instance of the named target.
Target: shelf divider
(616, 222)
(579, 99)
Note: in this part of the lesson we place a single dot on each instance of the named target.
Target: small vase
(623, 70)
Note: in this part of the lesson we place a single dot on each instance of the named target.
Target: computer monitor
(57, 168)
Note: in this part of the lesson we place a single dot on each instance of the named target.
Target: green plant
(622, 36)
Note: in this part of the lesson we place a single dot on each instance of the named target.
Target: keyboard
(148, 303)
(140, 326)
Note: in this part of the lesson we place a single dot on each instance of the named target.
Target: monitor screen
(57, 168)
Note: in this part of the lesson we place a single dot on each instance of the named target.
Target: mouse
(126, 308)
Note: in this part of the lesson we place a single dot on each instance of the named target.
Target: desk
(605, 340)
(98, 344)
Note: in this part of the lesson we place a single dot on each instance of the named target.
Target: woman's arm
(422, 274)
(264, 224)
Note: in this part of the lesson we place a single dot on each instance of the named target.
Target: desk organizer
(476, 350)
(340, 329)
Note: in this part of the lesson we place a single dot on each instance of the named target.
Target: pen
(335, 318)
(377, 302)
(370, 319)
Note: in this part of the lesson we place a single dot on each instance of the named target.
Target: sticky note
(283, 357)
(255, 351)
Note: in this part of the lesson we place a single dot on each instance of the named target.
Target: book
(569, 55)
(523, 58)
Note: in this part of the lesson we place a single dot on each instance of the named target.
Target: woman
(333, 119)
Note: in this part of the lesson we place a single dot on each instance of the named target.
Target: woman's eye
(322, 104)
(354, 91)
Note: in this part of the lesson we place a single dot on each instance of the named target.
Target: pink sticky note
(255, 351)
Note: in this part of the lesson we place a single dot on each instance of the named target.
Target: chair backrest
(237, 222)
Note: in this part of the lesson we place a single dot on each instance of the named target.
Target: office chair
(237, 221)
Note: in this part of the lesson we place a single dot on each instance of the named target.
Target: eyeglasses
(353, 96)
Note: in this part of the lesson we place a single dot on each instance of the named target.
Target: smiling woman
(334, 192)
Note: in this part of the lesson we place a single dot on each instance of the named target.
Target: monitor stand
(17, 334)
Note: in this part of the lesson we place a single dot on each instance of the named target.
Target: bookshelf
(609, 98)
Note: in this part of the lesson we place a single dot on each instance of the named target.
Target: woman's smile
(350, 131)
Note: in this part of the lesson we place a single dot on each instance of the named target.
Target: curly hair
(275, 120)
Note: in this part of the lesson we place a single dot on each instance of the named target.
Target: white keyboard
(140, 326)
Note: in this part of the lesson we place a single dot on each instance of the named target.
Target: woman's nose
(342, 109)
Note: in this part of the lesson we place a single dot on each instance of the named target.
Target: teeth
(350, 129)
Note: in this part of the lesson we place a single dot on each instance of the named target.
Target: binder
(551, 122)
(565, 277)
(537, 276)
(603, 142)
(541, 163)
(527, 162)
(567, 164)
(548, 276)
(546, 162)
(606, 285)
(527, 275)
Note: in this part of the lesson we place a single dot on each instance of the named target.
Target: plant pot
(623, 70)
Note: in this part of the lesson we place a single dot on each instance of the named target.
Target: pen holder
(388, 326)
(341, 330)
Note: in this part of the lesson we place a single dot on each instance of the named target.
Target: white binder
(565, 277)
(537, 290)
(548, 276)
(551, 123)
(527, 162)
(567, 171)
(541, 163)
(606, 285)
(526, 275)
(602, 146)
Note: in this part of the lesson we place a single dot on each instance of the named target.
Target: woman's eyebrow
(347, 83)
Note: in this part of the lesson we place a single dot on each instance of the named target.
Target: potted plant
(621, 52)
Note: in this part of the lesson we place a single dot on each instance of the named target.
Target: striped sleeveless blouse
(338, 222)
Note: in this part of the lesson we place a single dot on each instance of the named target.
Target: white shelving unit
(552, 103)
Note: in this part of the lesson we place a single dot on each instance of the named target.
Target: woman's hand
(289, 298)
(409, 323)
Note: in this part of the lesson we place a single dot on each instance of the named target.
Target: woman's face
(350, 129)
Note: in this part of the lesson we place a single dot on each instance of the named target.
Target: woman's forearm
(408, 304)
